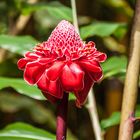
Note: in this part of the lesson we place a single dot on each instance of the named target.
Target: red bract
(63, 63)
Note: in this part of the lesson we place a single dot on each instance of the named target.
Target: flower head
(63, 63)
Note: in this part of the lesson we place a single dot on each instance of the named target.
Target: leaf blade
(17, 44)
(21, 87)
(114, 65)
(24, 131)
(101, 29)
(56, 9)
(114, 119)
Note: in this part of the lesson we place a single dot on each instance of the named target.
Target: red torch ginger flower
(63, 63)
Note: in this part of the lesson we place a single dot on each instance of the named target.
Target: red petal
(82, 95)
(45, 60)
(33, 72)
(90, 65)
(101, 57)
(31, 55)
(54, 71)
(22, 63)
(51, 87)
(72, 77)
(96, 76)
(52, 99)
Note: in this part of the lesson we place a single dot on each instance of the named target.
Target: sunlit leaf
(136, 135)
(23, 88)
(114, 66)
(17, 44)
(20, 86)
(114, 119)
(56, 9)
(101, 29)
(120, 31)
(60, 11)
(22, 131)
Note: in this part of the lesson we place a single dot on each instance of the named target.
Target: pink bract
(63, 63)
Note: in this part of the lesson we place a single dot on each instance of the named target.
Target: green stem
(74, 14)
(91, 99)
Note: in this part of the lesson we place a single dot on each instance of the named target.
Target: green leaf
(120, 31)
(114, 66)
(20, 86)
(55, 9)
(114, 119)
(59, 11)
(22, 131)
(17, 44)
(101, 29)
(72, 96)
(23, 88)
(138, 110)
(136, 135)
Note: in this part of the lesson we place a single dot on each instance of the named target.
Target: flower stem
(91, 99)
(74, 14)
(62, 108)
(92, 109)
(132, 78)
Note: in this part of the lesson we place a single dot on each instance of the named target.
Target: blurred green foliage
(24, 131)
(103, 29)
(55, 9)
(21, 87)
(17, 44)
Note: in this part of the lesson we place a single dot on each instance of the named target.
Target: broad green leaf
(101, 29)
(60, 11)
(114, 119)
(55, 9)
(136, 135)
(114, 66)
(20, 86)
(45, 22)
(22, 131)
(17, 44)
(23, 88)
(120, 31)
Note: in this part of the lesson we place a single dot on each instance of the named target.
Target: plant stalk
(132, 78)
(92, 109)
(91, 99)
(62, 108)
(74, 15)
